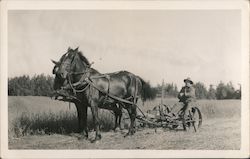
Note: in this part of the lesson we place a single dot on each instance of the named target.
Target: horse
(94, 89)
(60, 82)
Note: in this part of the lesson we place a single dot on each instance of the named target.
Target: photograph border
(242, 5)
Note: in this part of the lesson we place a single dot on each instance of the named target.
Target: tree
(200, 90)
(237, 93)
(226, 91)
(170, 90)
(38, 85)
(221, 92)
(211, 92)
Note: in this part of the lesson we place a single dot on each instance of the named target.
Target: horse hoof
(82, 138)
(117, 129)
(128, 134)
(97, 139)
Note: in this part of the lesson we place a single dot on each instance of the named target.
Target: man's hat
(188, 80)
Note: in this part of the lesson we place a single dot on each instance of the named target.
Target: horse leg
(94, 109)
(132, 115)
(82, 120)
(119, 119)
(79, 117)
(118, 115)
(116, 120)
(85, 120)
(133, 112)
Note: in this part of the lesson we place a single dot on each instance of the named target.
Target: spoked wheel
(196, 118)
(167, 109)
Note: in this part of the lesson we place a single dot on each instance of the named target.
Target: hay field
(42, 123)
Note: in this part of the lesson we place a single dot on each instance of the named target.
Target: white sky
(156, 45)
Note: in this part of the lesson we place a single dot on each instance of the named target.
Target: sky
(204, 45)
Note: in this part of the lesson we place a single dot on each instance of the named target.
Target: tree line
(221, 91)
(42, 85)
(38, 85)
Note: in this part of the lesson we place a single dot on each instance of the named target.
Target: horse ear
(77, 49)
(69, 49)
(56, 63)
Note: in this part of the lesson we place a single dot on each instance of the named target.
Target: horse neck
(94, 72)
(84, 70)
(80, 67)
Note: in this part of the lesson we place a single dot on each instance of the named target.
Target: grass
(217, 134)
(51, 123)
(44, 123)
(41, 115)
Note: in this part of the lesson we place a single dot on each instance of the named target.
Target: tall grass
(51, 123)
(219, 108)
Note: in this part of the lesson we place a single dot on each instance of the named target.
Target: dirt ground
(215, 134)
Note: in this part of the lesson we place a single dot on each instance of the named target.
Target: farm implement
(161, 116)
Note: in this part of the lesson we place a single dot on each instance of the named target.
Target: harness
(87, 82)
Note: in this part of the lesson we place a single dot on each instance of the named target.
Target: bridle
(85, 75)
(80, 82)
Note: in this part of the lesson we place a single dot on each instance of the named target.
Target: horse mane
(62, 58)
(73, 52)
(83, 58)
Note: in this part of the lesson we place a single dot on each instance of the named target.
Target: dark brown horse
(60, 82)
(97, 90)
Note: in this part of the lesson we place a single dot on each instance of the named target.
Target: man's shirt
(188, 94)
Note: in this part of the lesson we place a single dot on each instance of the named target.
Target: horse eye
(55, 70)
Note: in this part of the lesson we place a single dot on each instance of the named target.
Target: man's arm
(190, 92)
(181, 93)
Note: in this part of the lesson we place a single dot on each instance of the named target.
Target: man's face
(188, 84)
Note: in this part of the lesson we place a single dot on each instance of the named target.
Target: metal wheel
(174, 126)
(167, 109)
(196, 118)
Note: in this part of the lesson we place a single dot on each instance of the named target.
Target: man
(187, 96)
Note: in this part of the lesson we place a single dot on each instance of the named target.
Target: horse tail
(144, 89)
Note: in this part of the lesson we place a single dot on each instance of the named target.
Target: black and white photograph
(130, 77)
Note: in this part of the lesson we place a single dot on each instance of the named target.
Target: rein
(77, 90)
(81, 81)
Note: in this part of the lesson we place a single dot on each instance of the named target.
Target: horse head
(59, 76)
(72, 61)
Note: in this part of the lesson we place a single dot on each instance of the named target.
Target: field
(42, 123)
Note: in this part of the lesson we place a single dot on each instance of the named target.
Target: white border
(123, 5)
